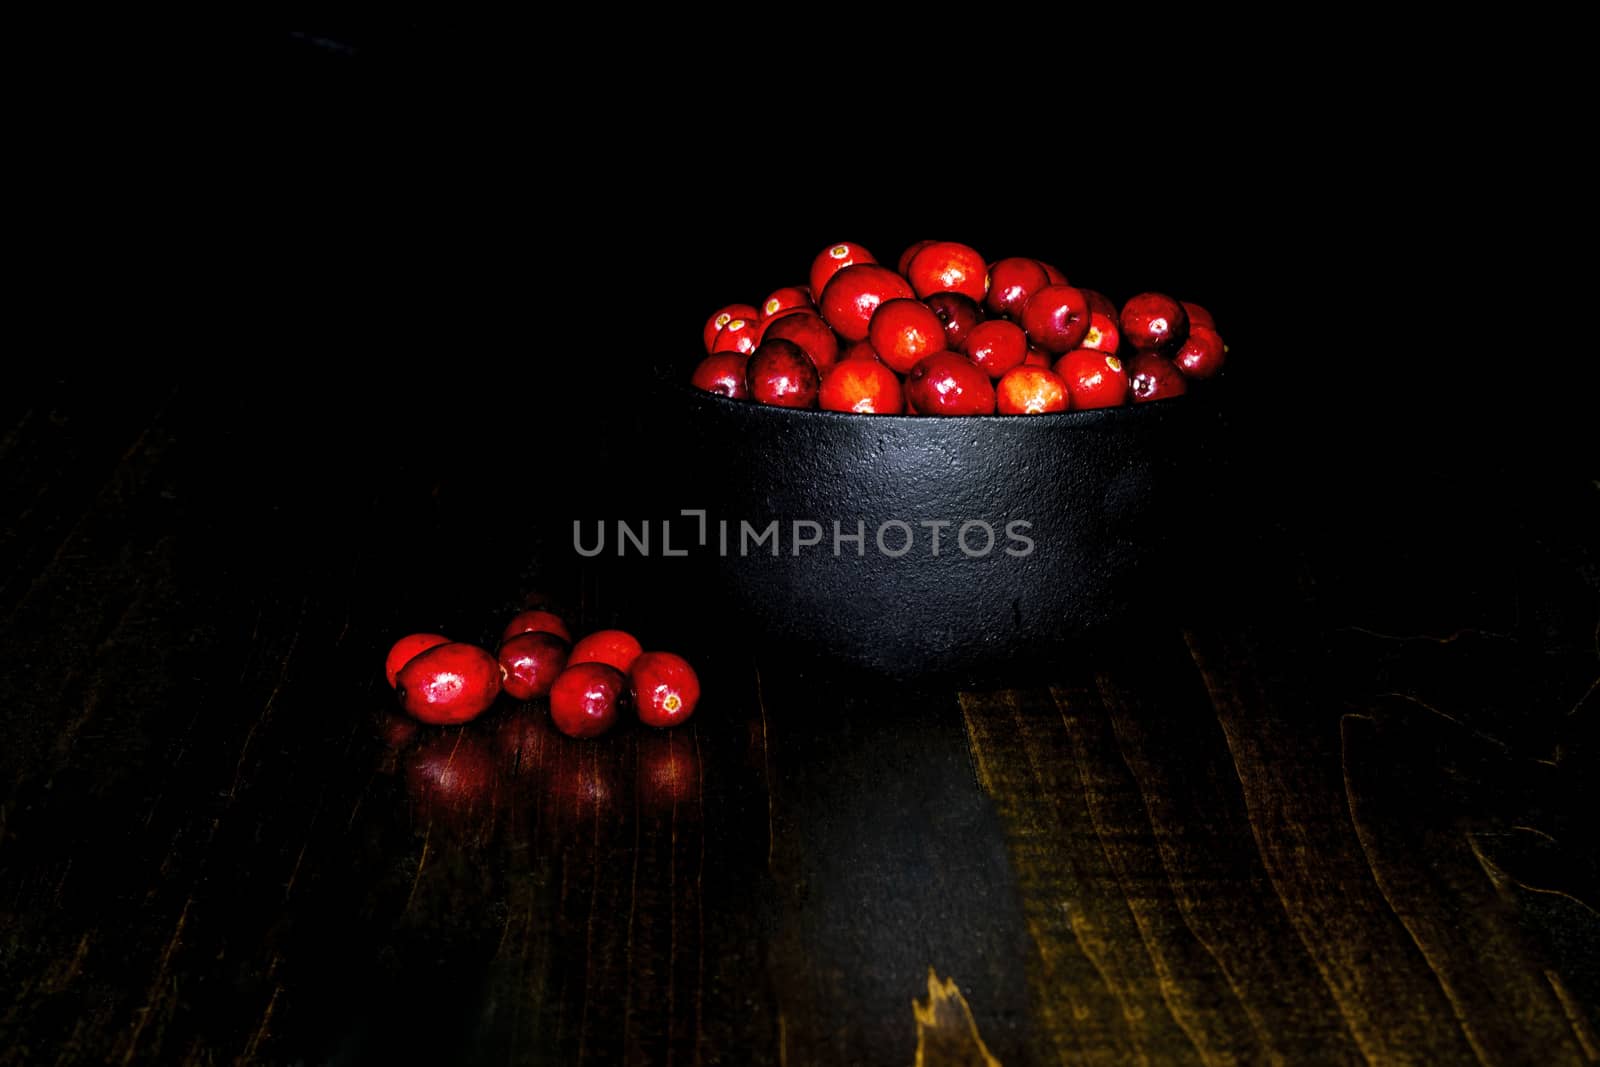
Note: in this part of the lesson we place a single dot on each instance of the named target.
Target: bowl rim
(1198, 391)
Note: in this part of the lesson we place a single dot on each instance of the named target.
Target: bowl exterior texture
(1048, 528)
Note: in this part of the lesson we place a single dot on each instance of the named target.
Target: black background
(347, 256)
(534, 234)
(1375, 256)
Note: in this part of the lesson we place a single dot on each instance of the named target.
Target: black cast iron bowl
(1120, 508)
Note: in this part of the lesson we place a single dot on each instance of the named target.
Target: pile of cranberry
(947, 333)
(449, 682)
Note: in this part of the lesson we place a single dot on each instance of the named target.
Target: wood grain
(946, 1031)
(1312, 837)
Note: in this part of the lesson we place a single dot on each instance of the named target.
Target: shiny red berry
(959, 315)
(997, 346)
(530, 662)
(832, 260)
(724, 315)
(1094, 379)
(723, 373)
(948, 383)
(1055, 276)
(536, 620)
(1011, 282)
(903, 331)
(1056, 318)
(740, 335)
(864, 386)
(1153, 322)
(586, 699)
(1102, 335)
(860, 350)
(792, 296)
(449, 683)
(618, 648)
(769, 321)
(1101, 303)
(1031, 391)
(1038, 357)
(407, 649)
(665, 688)
(848, 302)
(806, 329)
(1198, 316)
(1202, 353)
(1153, 377)
(904, 263)
(781, 374)
(948, 267)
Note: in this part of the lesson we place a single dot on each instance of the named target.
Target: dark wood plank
(1329, 840)
(1293, 789)
(1172, 745)
(887, 862)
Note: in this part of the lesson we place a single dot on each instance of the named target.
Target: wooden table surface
(1353, 825)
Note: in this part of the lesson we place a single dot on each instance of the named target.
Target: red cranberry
(832, 260)
(618, 648)
(536, 621)
(1153, 321)
(996, 346)
(1037, 357)
(1102, 335)
(1056, 318)
(959, 315)
(740, 335)
(904, 263)
(903, 331)
(1099, 302)
(1198, 316)
(780, 373)
(449, 683)
(1094, 379)
(792, 296)
(722, 316)
(807, 330)
(530, 663)
(860, 350)
(948, 267)
(854, 294)
(722, 373)
(1055, 276)
(948, 383)
(586, 698)
(1153, 377)
(665, 688)
(1031, 391)
(1201, 354)
(1011, 282)
(864, 386)
(769, 321)
(407, 649)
